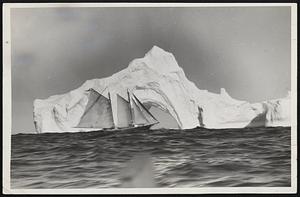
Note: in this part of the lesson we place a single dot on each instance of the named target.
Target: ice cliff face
(157, 80)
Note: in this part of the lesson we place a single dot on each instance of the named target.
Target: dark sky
(54, 50)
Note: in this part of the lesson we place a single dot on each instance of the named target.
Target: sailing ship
(131, 113)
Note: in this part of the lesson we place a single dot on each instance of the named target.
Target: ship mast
(111, 105)
(131, 110)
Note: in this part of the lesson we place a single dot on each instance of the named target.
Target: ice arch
(152, 99)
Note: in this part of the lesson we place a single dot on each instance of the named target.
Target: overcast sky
(54, 50)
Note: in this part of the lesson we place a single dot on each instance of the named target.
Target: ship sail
(98, 112)
(123, 112)
(138, 116)
(150, 118)
(141, 116)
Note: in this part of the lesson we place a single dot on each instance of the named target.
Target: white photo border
(7, 103)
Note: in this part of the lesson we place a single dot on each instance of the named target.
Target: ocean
(248, 157)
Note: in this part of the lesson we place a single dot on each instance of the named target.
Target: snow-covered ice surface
(157, 80)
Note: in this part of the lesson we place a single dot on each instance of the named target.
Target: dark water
(252, 157)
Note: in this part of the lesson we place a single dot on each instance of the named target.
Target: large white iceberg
(157, 80)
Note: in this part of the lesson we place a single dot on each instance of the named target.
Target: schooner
(131, 113)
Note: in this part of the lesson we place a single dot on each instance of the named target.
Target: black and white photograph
(149, 98)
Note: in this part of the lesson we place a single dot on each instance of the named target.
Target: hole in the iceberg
(165, 119)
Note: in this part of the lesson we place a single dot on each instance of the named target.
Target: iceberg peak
(161, 60)
(157, 51)
(224, 93)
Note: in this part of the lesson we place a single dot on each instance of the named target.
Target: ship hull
(142, 127)
(131, 128)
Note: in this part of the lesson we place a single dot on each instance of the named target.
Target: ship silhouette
(131, 113)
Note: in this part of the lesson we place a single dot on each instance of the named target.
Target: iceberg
(158, 81)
